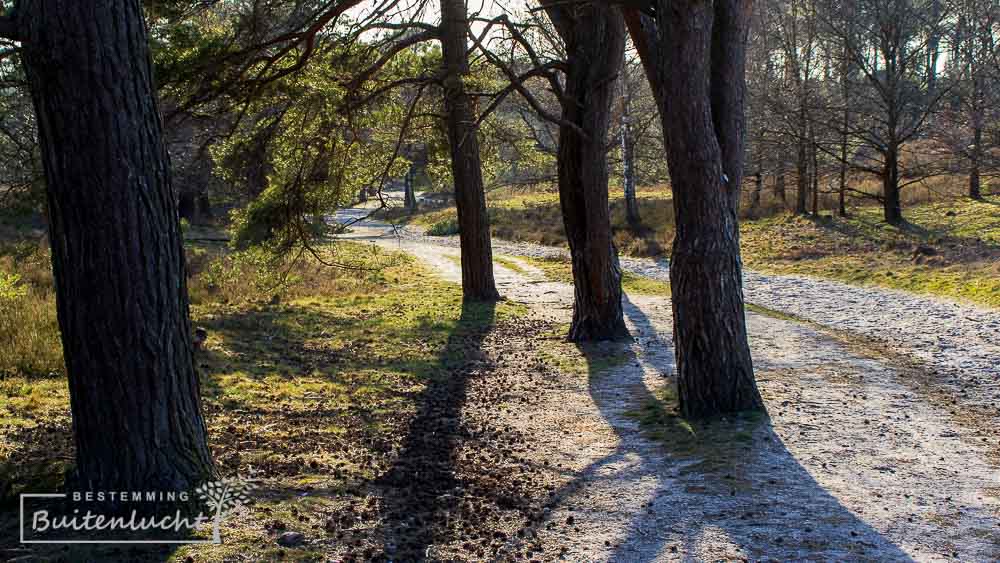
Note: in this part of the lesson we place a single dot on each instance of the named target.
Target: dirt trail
(853, 465)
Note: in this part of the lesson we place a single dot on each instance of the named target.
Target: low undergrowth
(310, 385)
(949, 249)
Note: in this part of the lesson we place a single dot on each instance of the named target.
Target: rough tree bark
(594, 36)
(466, 166)
(117, 253)
(701, 59)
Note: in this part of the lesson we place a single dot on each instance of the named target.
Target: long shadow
(418, 489)
(748, 479)
(753, 482)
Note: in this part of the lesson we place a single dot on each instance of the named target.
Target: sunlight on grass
(560, 270)
(959, 244)
(307, 383)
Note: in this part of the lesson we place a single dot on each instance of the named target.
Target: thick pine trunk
(595, 44)
(117, 254)
(702, 59)
(466, 166)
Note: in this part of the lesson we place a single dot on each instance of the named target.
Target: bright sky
(429, 10)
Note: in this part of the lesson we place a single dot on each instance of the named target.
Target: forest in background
(191, 191)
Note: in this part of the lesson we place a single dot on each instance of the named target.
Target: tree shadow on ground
(421, 490)
(724, 489)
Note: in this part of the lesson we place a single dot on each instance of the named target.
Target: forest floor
(387, 421)
(882, 442)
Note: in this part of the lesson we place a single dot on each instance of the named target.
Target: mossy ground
(714, 448)
(308, 384)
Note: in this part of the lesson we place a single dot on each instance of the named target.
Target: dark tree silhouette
(117, 253)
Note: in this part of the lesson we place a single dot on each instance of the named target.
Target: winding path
(856, 463)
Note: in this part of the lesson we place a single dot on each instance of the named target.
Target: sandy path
(854, 465)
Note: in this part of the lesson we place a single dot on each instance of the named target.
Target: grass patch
(29, 330)
(560, 270)
(310, 384)
(444, 228)
(511, 264)
(862, 250)
(536, 216)
(949, 249)
(711, 447)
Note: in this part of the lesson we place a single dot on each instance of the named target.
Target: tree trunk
(758, 187)
(780, 189)
(594, 35)
(466, 166)
(842, 183)
(632, 216)
(702, 64)
(892, 208)
(410, 198)
(802, 169)
(815, 172)
(976, 156)
(117, 254)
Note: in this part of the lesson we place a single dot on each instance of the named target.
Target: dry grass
(311, 383)
(29, 330)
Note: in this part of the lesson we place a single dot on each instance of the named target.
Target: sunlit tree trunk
(466, 165)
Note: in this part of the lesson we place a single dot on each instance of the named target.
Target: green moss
(711, 447)
(862, 250)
